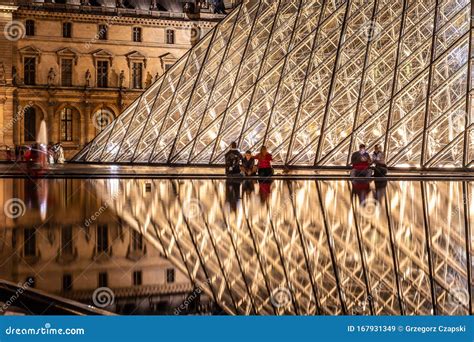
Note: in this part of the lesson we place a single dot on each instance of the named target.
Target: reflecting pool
(283, 247)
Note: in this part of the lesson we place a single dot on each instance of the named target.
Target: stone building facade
(76, 64)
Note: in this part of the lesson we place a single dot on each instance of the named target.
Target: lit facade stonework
(77, 66)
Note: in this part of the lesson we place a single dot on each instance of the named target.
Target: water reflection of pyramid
(310, 79)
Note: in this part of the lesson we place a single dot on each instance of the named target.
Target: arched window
(29, 124)
(66, 124)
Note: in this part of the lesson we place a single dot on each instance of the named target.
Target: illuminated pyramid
(310, 79)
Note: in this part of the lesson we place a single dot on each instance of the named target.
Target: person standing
(264, 163)
(378, 158)
(233, 160)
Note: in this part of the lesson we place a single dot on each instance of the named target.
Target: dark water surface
(281, 247)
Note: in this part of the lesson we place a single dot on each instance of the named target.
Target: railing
(83, 8)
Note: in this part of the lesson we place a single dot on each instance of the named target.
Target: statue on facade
(88, 78)
(51, 76)
(121, 79)
(157, 77)
(149, 79)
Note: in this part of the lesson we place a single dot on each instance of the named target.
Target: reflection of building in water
(79, 246)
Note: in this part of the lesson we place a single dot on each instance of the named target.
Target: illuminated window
(137, 75)
(66, 72)
(102, 74)
(29, 71)
(66, 124)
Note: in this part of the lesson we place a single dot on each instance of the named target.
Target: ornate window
(102, 74)
(29, 70)
(137, 75)
(66, 72)
(66, 124)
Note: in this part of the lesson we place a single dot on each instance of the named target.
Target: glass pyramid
(311, 80)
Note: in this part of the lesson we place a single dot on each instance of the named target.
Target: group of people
(248, 164)
(37, 153)
(365, 165)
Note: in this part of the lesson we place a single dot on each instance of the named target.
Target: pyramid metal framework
(404, 250)
(311, 80)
